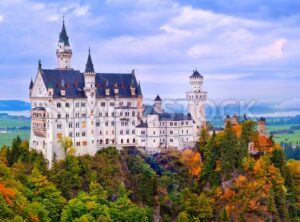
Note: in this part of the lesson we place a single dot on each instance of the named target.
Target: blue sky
(246, 49)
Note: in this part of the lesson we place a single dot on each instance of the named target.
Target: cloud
(293, 104)
(1, 18)
(81, 10)
(275, 50)
(53, 18)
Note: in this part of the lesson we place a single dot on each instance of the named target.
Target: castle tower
(63, 51)
(196, 98)
(158, 104)
(139, 101)
(90, 90)
(261, 127)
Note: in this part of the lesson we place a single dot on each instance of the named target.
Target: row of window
(83, 115)
(83, 134)
(83, 104)
(143, 132)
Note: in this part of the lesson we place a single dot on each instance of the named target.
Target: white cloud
(81, 10)
(53, 18)
(275, 50)
(1, 18)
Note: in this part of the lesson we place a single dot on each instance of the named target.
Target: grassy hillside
(12, 126)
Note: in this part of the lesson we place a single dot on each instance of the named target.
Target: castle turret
(63, 51)
(196, 98)
(261, 126)
(139, 100)
(158, 104)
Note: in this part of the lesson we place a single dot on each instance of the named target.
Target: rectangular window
(67, 115)
(102, 103)
(58, 105)
(82, 104)
(77, 104)
(58, 115)
(70, 125)
(84, 143)
(112, 104)
(83, 134)
(77, 125)
(77, 134)
(77, 143)
(59, 126)
(97, 123)
(70, 134)
(67, 104)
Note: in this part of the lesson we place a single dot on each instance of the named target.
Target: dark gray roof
(196, 74)
(262, 119)
(166, 116)
(39, 108)
(74, 82)
(63, 37)
(89, 65)
(142, 125)
(157, 98)
(139, 90)
(31, 84)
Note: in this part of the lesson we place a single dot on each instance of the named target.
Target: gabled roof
(63, 37)
(196, 74)
(158, 98)
(73, 80)
(74, 83)
(89, 65)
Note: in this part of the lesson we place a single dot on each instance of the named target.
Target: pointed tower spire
(139, 90)
(39, 65)
(63, 50)
(63, 37)
(31, 84)
(89, 65)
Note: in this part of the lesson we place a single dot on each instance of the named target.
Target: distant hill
(14, 105)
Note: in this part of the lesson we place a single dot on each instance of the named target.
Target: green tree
(66, 176)
(198, 207)
(45, 192)
(229, 151)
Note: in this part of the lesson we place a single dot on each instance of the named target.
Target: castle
(97, 110)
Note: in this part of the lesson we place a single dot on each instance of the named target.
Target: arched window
(127, 140)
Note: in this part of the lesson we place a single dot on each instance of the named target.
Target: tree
(45, 192)
(229, 151)
(197, 207)
(65, 143)
(66, 176)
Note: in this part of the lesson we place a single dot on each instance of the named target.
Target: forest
(218, 180)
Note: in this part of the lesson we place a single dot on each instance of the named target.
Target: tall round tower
(63, 51)
(196, 98)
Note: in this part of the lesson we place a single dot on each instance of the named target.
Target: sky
(246, 50)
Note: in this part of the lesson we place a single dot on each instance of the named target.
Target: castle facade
(97, 110)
